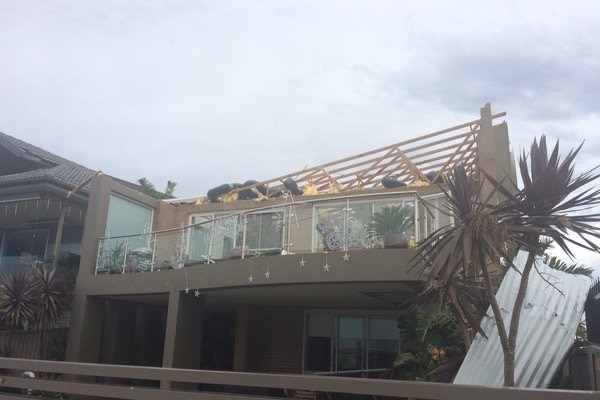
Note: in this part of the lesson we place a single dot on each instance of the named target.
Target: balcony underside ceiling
(366, 295)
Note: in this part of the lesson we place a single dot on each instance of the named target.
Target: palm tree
(51, 298)
(560, 265)
(551, 204)
(149, 189)
(572, 268)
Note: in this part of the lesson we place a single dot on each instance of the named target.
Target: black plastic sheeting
(216, 192)
(391, 182)
(248, 194)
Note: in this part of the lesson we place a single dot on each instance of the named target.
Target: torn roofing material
(552, 310)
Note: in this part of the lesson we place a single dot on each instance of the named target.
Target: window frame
(366, 315)
(212, 216)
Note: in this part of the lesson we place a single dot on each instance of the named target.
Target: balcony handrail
(408, 193)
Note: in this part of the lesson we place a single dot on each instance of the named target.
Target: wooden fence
(98, 381)
(26, 344)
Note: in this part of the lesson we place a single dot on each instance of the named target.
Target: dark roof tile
(60, 170)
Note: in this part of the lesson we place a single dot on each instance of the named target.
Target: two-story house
(286, 275)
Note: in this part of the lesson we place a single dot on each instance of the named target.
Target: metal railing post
(98, 258)
(125, 254)
(154, 238)
(244, 227)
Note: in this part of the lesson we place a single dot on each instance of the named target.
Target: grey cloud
(529, 80)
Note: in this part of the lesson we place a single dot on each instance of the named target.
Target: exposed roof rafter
(408, 160)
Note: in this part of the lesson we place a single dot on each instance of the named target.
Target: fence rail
(82, 377)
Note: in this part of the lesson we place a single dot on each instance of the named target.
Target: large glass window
(349, 224)
(432, 216)
(119, 250)
(127, 217)
(221, 236)
(226, 234)
(349, 342)
(199, 248)
(264, 231)
(382, 341)
(319, 342)
(25, 247)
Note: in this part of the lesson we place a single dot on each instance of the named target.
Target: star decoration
(197, 293)
(251, 279)
(187, 290)
(302, 263)
(267, 275)
(346, 257)
(326, 268)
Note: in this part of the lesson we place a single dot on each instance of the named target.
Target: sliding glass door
(339, 343)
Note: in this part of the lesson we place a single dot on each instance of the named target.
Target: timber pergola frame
(405, 161)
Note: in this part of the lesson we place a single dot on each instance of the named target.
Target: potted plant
(392, 224)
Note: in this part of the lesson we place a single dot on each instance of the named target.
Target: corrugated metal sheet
(547, 328)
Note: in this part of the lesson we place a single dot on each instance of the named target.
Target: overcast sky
(205, 93)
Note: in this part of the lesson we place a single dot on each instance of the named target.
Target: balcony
(332, 224)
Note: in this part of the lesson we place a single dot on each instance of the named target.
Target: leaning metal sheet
(547, 328)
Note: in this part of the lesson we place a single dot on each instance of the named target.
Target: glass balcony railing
(360, 222)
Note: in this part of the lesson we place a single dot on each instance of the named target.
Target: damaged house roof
(420, 160)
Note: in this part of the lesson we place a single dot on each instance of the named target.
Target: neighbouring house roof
(552, 309)
(43, 166)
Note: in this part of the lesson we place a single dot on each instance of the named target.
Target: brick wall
(274, 340)
(167, 216)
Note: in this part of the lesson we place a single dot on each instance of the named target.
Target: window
(264, 231)
(220, 235)
(126, 217)
(432, 216)
(25, 247)
(346, 225)
(319, 342)
(199, 239)
(128, 240)
(349, 342)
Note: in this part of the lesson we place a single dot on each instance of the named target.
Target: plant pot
(395, 241)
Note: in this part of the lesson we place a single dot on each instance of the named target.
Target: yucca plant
(393, 221)
(51, 298)
(551, 204)
(17, 301)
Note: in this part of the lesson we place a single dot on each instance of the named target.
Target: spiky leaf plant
(51, 296)
(17, 301)
(551, 204)
(393, 219)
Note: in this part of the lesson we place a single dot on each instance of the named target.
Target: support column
(241, 338)
(493, 149)
(141, 335)
(183, 339)
(85, 332)
(119, 337)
